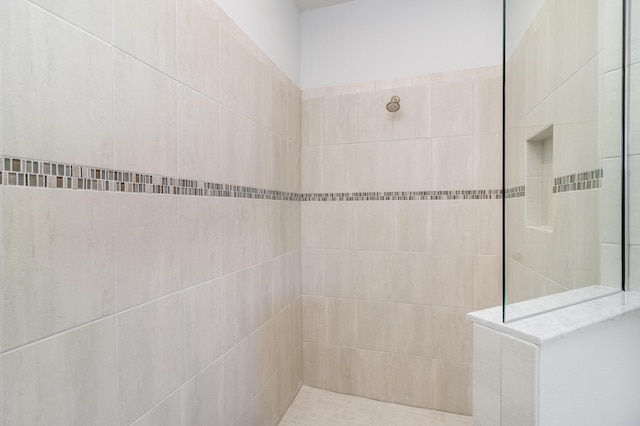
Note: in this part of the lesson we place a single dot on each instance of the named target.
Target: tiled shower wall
(124, 302)
(401, 236)
(566, 73)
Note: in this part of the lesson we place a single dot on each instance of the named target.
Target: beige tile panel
(147, 30)
(50, 73)
(64, 233)
(376, 326)
(148, 357)
(198, 136)
(201, 399)
(452, 108)
(145, 128)
(166, 413)
(452, 387)
(202, 327)
(198, 49)
(70, 379)
(147, 261)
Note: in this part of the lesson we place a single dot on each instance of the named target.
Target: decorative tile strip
(515, 192)
(54, 175)
(475, 194)
(578, 181)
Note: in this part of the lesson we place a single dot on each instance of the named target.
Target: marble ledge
(553, 324)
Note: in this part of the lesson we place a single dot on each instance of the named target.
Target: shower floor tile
(316, 407)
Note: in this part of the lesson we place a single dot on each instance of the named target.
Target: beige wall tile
(342, 322)
(413, 120)
(487, 281)
(166, 413)
(94, 17)
(452, 163)
(452, 334)
(202, 327)
(341, 224)
(69, 379)
(413, 381)
(147, 261)
(415, 330)
(376, 326)
(339, 172)
(487, 108)
(312, 168)
(51, 71)
(314, 359)
(198, 50)
(375, 375)
(376, 225)
(315, 320)
(236, 86)
(487, 161)
(452, 387)
(374, 121)
(200, 240)
(452, 108)
(518, 381)
(340, 119)
(413, 226)
(147, 30)
(412, 278)
(452, 226)
(313, 272)
(452, 280)
(313, 121)
(487, 391)
(145, 129)
(198, 136)
(342, 370)
(341, 273)
(312, 224)
(66, 234)
(374, 275)
(148, 357)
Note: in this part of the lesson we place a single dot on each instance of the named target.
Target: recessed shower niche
(539, 181)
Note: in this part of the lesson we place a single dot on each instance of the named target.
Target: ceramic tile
(340, 119)
(415, 330)
(413, 381)
(487, 391)
(66, 234)
(341, 273)
(376, 326)
(374, 277)
(147, 30)
(198, 50)
(202, 327)
(201, 399)
(148, 357)
(314, 321)
(51, 71)
(375, 375)
(342, 322)
(313, 121)
(200, 240)
(452, 387)
(166, 413)
(146, 262)
(312, 168)
(69, 379)
(145, 118)
(94, 17)
(198, 136)
(452, 108)
(313, 272)
(342, 369)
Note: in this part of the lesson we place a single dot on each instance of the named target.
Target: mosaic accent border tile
(578, 181)
(479, 194)
(515, 192)
(54, 175)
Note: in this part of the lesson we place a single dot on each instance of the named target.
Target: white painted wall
(274, 25)
(366, 40)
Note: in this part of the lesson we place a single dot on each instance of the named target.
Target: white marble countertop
(546, 326)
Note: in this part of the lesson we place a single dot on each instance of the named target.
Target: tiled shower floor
(315, 407)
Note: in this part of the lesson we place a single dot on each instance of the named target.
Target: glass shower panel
(563, 152)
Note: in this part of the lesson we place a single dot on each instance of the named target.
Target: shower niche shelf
(539, 181)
